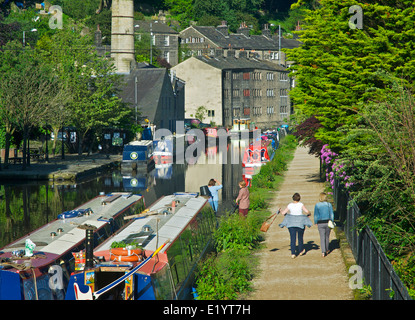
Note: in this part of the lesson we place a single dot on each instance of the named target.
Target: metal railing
(378, 271)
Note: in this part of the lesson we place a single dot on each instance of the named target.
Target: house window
(284, 99)
(235, 92)
(283, 76)
(270, 92)
(166, 56)
(246, 76)
(166, 41)
(235, 76)
(274, 56)
(211, 113)
(247, 111)
(270, 76)
(257, 111)
(246, 92)
(270, 110)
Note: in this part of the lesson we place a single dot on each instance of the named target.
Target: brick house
(233, 86)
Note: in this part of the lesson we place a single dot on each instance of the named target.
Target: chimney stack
(223, 28)
(243, 29)
(122, 35)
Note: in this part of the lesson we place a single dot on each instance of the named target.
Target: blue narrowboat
(138, 155)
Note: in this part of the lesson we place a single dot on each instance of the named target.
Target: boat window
(163, 288)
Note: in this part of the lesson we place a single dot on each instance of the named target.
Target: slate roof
(156, 27)
(240, 41)
(149, 88)
(232, 62)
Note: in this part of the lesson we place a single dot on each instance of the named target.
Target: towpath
(308, 277)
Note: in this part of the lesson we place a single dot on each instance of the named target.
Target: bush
(235, 232)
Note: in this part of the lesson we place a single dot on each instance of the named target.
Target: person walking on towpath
(213, 188)
(296, 222)
(323, 212)
(243, 199)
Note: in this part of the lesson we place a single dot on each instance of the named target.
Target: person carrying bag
(323, 218)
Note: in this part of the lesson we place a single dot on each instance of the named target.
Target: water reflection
(25, 207)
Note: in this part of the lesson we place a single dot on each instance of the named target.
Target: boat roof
(140, 143)
(170, 225)
(71, 235)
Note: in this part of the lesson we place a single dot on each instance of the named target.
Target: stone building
(233, 86)
(162, 36)
(158, 96)
(204, 40)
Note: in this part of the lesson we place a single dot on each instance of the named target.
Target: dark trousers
(294, 233)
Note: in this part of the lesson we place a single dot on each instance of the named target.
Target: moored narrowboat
(154, 256)
(38, 265)
(258, 154)
(138, 155)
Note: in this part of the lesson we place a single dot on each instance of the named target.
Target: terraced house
(204, 40)
(232, 86)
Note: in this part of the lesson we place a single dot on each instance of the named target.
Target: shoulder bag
(267, 223)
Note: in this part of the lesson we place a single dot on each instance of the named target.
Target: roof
(156, 26)
(241, 41)
(232, 62)
(149, 88)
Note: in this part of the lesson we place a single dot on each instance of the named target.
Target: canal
(27, 206)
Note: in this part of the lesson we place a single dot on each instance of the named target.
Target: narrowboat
(153, 257)
(257, 154)
(138, 155)
(38, 265)
(241, 127)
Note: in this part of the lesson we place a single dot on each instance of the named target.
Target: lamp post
(24, 36)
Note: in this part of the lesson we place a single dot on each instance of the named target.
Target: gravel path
(309, 277)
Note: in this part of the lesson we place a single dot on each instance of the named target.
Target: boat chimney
(89, 248)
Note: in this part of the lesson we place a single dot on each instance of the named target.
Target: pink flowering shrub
(334, 167)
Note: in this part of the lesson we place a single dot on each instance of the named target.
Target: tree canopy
(338, 67)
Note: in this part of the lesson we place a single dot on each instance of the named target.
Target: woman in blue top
(323, 212)
(214, 201)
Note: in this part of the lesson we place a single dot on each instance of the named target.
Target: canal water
(27, 206)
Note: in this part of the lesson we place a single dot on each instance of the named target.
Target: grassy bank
(227, 272)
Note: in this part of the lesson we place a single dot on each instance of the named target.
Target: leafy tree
(336, 67)
(91, 80)
(382, 169)
(27, 89)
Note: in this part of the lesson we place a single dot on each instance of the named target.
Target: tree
(337, 67)
(91, 80)
(201, 113)
(27, 89)
(382, 169)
